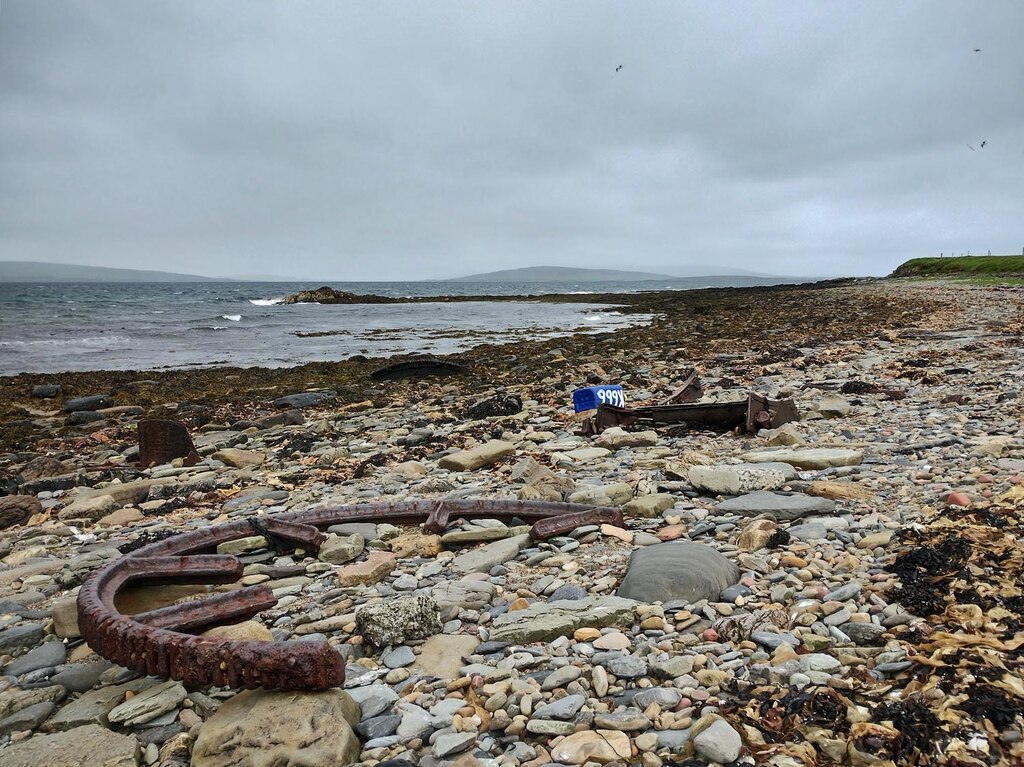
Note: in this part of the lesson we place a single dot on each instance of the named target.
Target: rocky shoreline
(845, 589)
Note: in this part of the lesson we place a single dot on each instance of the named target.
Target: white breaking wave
(265, 301)
(90, 341)
(232, 317)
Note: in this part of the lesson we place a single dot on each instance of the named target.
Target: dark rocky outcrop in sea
(328, 295)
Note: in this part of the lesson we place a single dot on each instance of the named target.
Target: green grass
(994, 268)
(989, 279)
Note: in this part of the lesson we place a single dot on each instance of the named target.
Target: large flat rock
(442, 654)
(779, 505)
(482, 559)
(257, 727)
(677, 571)
(471, 594)
(135, 491)
(807, 458)
(482, 455)
(549, 620)
(94, 706)
(377, 566)
(148, 704)
(734, 480)
(88, 746)
(649, 505)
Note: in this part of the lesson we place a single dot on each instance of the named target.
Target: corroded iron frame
(158, 642)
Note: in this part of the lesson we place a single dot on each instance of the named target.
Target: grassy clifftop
(962, 266)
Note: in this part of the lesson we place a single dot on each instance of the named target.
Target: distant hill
(32, 271)
(562, 274)
(574, 274)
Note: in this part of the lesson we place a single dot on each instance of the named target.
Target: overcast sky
(387, 140)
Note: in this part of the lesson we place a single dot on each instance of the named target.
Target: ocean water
(56, 327)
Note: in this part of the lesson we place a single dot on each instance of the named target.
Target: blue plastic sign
(592, 396)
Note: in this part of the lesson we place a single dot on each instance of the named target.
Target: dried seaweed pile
(961, 702)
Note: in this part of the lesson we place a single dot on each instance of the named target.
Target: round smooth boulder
(92, 402)
(16, 509)
(671, 572)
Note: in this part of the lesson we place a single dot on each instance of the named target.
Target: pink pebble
(986, 493)
(710, 635)
(1015, 479)
(748, 581)
(985, 479)
(958, 499)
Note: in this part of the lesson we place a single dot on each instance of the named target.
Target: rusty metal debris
(159, 642)
(756, 412)
(420, 368)
(162, 441)
(566, 523)
(690, 391)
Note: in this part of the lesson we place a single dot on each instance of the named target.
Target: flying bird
(983, 144)
(977, 50)
(618, 67)
(970, 147)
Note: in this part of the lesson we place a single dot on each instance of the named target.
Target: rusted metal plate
(158, 643)
(162, 441)
(756, 412)
(566, 523)
(763, 413)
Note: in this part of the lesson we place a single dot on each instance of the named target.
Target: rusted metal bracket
(690, 390)
(755, 413)
(160, 642)
(162, 441)
(288, 535)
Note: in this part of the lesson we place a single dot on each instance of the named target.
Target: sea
(56, 327)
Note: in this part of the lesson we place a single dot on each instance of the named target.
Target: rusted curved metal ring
(157, 642)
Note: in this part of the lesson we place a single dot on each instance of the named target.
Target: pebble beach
(844, 589)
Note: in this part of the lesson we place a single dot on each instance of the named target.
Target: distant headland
(42, 271)
(575, 274)
(562, 274)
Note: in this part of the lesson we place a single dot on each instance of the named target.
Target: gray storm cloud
(324, 140)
